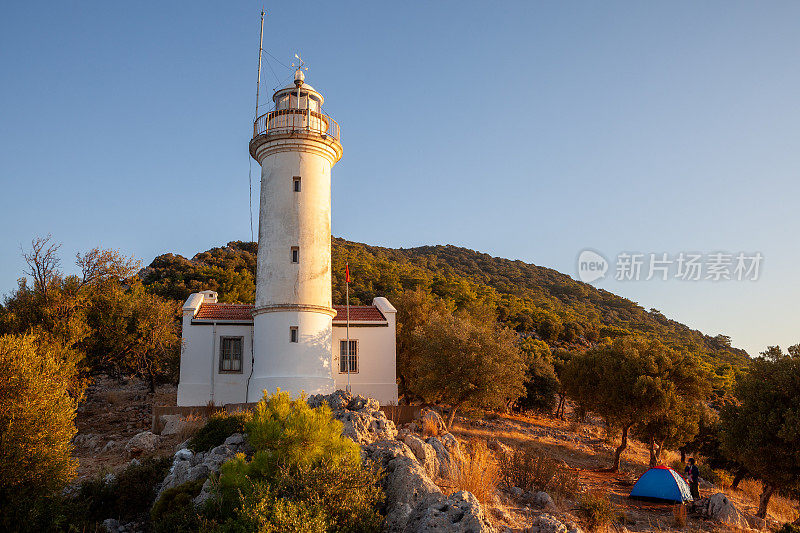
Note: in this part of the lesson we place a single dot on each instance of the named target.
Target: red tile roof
(359, 313)
(224, 312)
(244, 312)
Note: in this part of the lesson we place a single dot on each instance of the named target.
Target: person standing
(693, 477)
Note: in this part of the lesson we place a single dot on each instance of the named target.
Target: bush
(528, 469)
(596, 507)
(174, 511)
(219, 427)
(129, 495)
(39, 392)
(303, 472)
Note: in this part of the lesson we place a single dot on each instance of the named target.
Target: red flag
(347, 272)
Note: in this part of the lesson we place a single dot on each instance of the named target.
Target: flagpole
(347, 305)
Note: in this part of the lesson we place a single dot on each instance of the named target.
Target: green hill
(535, 301)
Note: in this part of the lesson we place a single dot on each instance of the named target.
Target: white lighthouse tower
(296, 146)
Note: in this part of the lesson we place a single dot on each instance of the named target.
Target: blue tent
(661, 483)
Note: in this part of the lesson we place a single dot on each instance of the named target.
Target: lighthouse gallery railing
(295, 120)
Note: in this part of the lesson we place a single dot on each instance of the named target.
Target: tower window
(348, 357)
(230, 354)
(295, 254)
(296, 184)
(293, 335)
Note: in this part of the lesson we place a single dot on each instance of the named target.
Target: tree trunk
(152, 378)
(740, 473)
(763, 501)
(651, 445)
(620, 449)
(683, 456)
(560, 408)
(659, 452)
(452, 415)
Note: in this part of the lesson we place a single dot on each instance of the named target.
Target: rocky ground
(422, 486)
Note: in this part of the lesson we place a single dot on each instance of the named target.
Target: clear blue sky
(527, 130)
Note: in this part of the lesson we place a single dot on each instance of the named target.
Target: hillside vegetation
(535, 301)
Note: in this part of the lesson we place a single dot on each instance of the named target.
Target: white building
(293, 338)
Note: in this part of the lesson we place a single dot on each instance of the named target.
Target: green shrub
(303, 471)
(597, 509)
(130, 494)
(174, 511)
(219, 427)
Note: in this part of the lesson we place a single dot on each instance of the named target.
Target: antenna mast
(260, 51)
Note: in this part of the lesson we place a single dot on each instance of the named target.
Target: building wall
(200, 378)
(377, 355)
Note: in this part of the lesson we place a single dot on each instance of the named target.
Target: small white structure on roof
(293, 338)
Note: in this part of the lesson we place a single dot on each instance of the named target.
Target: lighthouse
(292, 337)
(297, 146)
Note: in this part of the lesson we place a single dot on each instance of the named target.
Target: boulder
(458, 513)
(384, 451)
(545, 523)
(366, 426)
(188, 466)
(172, 424)
(447, 457)
(361, 417)
(424, 453)
(143, 442)
(540, 499)
(436, 418)
(407, 486)
(719, 507)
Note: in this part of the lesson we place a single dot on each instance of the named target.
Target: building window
(293, 334)
(230, 354)
(348, 357)
(296, 184)
(295, 254)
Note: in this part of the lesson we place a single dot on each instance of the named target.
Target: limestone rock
(188, 466)
(384, 451)
(447, 455)
(424, 453)
(540, 499)
(143, 442)
(361, 417)
(459, 513)
(407, 486)
(545, 523)
(719, 507)
(436, 418)
(366, 426)
(172, 424)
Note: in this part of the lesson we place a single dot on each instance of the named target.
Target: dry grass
(192, 425)
(478, 472)
(430, 428)
(781, 508)
(597, 509)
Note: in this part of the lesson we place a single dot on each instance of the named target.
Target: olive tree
(638, 383)
(466, 359)
(762, 430)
